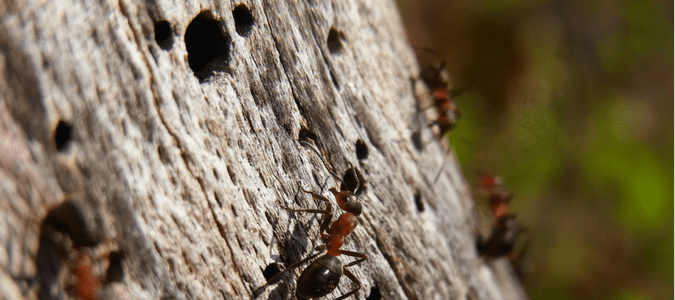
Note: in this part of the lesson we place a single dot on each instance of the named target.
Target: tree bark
(147, 149)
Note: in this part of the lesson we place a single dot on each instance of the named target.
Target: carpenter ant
(506, 231)
(323, 275)
(498, 195)
(437, 79)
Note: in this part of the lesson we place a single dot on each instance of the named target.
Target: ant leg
(293, 266)
(356, 177)
(327, 214)
(362, 257)
(316, 211)
(354, 279)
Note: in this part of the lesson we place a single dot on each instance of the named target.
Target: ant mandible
(323, 275)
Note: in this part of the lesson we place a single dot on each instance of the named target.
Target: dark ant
(502, 239)
(323, 275)
(506, 231)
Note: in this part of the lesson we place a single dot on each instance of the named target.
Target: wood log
(148, 147)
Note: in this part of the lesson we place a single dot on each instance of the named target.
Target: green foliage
(572, 104)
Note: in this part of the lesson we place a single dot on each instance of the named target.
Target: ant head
(353, 206)
(347, 201)
(435, 76)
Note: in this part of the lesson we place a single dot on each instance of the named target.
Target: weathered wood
(185, 171)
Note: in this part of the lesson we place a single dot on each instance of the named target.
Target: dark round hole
(305, 134)
(208, 45)
(164, 34)
(335, 38)
(418, 202)
(243, 19)
(374, 294)
(361, 150)
(416, 139)
(115, 272)
(63, 135)
(68, 218)
(271, 270)
(351, 181)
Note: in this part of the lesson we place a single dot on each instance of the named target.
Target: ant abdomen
(320, 278)
(502, 239)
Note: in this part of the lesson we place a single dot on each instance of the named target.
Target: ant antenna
(356, 177)
(312, 146)
(445, 159)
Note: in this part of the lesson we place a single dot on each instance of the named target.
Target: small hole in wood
(334, 41)
(164, 34)
(243, 19)
(63, 135)
(306, 135)
(115, 272)
(350, 181)
(419, 203)
(361, 149)
(374, 294)
(416, 139)
(271, 270)
(208, 45)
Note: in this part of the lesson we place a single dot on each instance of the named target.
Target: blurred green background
(571, 102)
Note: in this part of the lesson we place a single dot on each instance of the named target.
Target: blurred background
(571, 103)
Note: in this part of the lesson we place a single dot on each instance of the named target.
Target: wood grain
(184, 170)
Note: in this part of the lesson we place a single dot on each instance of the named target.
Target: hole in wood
(419, 203)
(374, 294)
(164, 34)
(334, 41)
(271, 270)
(63, 135)
(243, 19)
(115, 271)
(305, 135)
(68, 218)
(208, 45)
(349, 182)
(361, 149)
(416, 139)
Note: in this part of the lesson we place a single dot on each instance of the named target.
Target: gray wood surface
(185, 171)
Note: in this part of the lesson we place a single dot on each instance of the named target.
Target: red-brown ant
(323, 275)
(498, 195)
(506, 231)
(437, 79)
